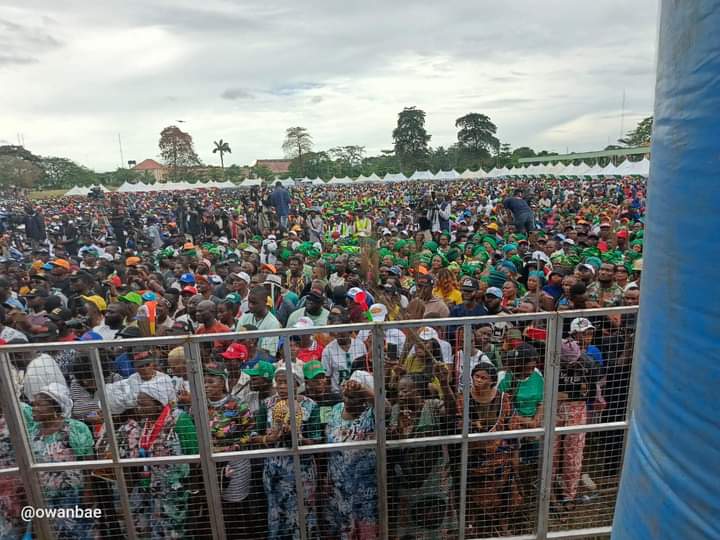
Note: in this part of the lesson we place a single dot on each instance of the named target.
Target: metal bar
(591, 428)
(12, 471)
(295, 440)
(579, 533)
(21, 444)
(552, 369)
(378, 363)
(521, 537)
(464, 452)
(193, 356)
(112, 440)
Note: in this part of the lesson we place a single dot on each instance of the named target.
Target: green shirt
(528, 392)
(185, 428)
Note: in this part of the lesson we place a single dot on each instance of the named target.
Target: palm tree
(222, 147)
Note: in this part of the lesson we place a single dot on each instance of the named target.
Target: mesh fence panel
(434, 430)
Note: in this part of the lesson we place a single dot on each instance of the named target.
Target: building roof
(147, 165)
(277, 166)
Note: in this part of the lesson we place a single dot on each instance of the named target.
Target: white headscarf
(160, 389)
(41, 372)
(120, 396)
(364, 378)
(60, 394)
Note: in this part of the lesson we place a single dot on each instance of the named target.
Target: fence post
(377, 351)
(196, 379)
(21, 444)
(295, 441)
(552, 369)
(112, 441)
(464, 452)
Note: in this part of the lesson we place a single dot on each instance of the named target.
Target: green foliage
(261, 171)
(60, 173)
(411, 140)
(19, 167)
(313, 165)
(641, 135)
(298, 142)
(476, 133)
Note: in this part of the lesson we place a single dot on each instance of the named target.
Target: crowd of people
(214, 262)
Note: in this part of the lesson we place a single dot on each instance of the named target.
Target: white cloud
(75, 74)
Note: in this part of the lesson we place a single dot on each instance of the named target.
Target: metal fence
(422, 459)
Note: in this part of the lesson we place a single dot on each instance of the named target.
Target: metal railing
(545, 447)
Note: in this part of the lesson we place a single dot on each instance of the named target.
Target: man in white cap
(393, 336)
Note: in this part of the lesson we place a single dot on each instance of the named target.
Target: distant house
(150, 167)
(277, 166)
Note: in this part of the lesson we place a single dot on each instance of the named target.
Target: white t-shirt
(338, 362)
(10, 334)
(269, 322)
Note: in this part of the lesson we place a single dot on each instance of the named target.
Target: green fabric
(528, 393)
(313, 428)
(81, 439)
(185, 428)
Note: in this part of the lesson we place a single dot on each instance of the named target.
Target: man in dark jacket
(280, 199)
(34, 226)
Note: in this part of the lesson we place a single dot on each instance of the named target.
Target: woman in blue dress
(278, 473)
(352, 509)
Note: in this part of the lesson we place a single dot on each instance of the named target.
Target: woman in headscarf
(535, 283)
(279, 474)
(55, 437)
(489, 464)
(421, 476)
(352, 510)
(159, 498)
(230, 427)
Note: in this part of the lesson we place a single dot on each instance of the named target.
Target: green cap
(132, 298)
(261, 369)
(234, 298)
(312, 369)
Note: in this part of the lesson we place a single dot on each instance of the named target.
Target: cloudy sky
(75, 74)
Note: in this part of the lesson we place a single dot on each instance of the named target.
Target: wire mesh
(432, 429)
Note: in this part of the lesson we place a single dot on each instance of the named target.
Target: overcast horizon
(550, 76)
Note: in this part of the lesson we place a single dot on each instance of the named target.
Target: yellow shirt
(453, 297)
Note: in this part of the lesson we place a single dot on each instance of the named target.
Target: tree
(177, 151)
(411, 139)
(64, 173)
(19, 166)
(477, 133)
(262, 171)
(641, 135)
(223, 148)
(313, 165)
(297, 143)
(504, 155)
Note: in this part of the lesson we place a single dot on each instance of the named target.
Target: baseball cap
(234, 298)
(98, 301)
(241, 276)
(313, 369)
(189, 290)
(623, 233)
(378, 312)
(261, 369)
(132, 261)
(494, 291)
(569, 241)
(352, 293)
(492, 226)
(236, 351)
(589, 267)
(317, 294)
(187, 278)
(304, 322)
(59, 314)
(469, 284)
(272, 279)
(580, 324)
(149, 296)
(132, 298)
(426, 333)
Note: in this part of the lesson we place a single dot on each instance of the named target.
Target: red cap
(115, 280)
(190, 290)
(623, 234)
(236, 351)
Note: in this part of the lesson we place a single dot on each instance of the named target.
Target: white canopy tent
(469, 175)
(77, 192)
(611, 170)
(422, 175)
(374, 178)
(448, 175)
(317, 182)
(595, 171)
(395, 177)
(363, 179)
(251, 182)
